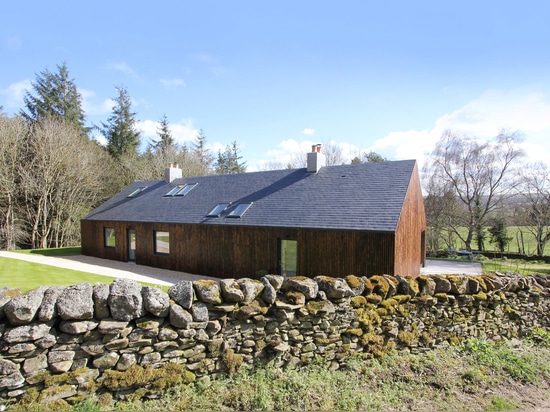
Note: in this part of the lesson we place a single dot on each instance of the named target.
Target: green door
(288, 257)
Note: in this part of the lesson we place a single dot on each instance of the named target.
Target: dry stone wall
(60, 344)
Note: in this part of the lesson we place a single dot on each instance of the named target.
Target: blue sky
(278, 76)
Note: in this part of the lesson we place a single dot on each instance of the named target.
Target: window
(109, 237)
(137, 191)
(162, 242)
(218, 209)
(239, 210)
(181, 190)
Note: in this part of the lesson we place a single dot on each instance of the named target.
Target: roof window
(137, 191)
(239, 210)
(181, 190)
(218, 209)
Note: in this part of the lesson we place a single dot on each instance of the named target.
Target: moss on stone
(353, 281)
(355, 331)
(381, 285)
(374, 298)
(358, 302)
(480, 296)
(406, 337)
(136, 376)
(232, 362)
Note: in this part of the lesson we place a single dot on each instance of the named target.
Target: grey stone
(156, 301)
(442, 285)
(35, 364)
(75, 327)
(125, 361)
(307, 286)
(61, 392)
(426, 286)
(56, 356)
(125, 301)
(7, 367)
(335, 288)
(6, 295)
(75, 302)
(231, 291)
(27, 333)
(46, 342)
(22, 310)
(275, 280)
(111, 327)
(107, 361)
(182, 293)
(89, 375)
(101, 298)
(251, 289)
(179, 317)
(48, 309)
(150, 359)
(199, 311)
(12, 381)
(269, 294)
(208, 291)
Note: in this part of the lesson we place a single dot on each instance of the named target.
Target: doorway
(131, 245)
(288, 257)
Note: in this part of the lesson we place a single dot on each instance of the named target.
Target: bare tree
(534, 211)
(61, 180)
(479, 173)
(12, 136)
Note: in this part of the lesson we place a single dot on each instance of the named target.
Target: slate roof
(350, 197)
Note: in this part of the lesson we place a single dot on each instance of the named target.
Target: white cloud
(174, 82)
(124, 68)
(483, 117)
(92, 108)
(182, 132)
(308, 131)
(14, 94)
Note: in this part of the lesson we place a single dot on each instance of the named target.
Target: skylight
(181, 190)
(137, 191)
(239, 210)
(218, 209)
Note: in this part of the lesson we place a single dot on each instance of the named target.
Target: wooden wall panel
(410, 252)
(237, 251)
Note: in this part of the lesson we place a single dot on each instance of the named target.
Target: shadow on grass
(62, 251)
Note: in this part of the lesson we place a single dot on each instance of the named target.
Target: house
(361, 219)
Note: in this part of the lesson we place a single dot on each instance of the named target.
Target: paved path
(108, 268)
(447, 267)
(169, 277)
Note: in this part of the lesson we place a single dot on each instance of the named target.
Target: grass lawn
(26, 276)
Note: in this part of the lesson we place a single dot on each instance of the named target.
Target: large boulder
(231, 291)
(22, 310)
(307, 286)
(48, 309)
(156, 301)
(125, 300)
(334, 288)
(251, 289)
(182, 293)
(101, 301)
(76, 302)
(208, 291)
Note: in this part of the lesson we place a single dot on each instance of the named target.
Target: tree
(120, 129)
(373, 157)
(533, 212)
(55, 95)
(202, 153)
(60, 181)
(479, 174)
(499, 233)
(229, 161)
(13, 133)
(165, 136)
(333, 155)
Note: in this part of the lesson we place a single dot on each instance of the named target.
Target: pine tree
(55, 95)
(120, 129)
(165, 137)
(202, 153)
(229, 161)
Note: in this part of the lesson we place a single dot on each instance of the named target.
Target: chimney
(315, 159)
(172, 172)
